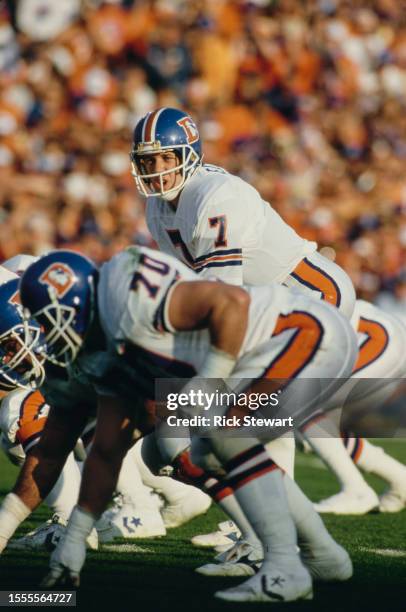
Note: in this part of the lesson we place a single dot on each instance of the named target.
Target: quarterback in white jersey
(217, 223)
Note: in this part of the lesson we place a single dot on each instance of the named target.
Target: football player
(23, 414)
(150, 310)
(23, 410)
(215, 222)
(380, 365)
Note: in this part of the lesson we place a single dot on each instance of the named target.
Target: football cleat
(193, 503)
(393, 499)
(272, 585)
(226, 536)
(47, 537)
(359, 502)
(242, 559)
(132, 523)
(332, 565)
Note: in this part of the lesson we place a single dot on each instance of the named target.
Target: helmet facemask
(21, 356)
(63, 341)
(188, 162)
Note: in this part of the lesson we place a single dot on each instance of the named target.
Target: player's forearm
(99, 480)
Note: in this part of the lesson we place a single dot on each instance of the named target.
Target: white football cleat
(242, 559)
(47, 537)
(359, 502)
(393, 499)
(272, 585)
(226, 536)
(132, 523)
(331, 565)
(192, 503)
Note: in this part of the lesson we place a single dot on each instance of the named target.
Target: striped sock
(258, 486)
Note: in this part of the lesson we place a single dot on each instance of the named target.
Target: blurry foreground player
(23, 410)
(380, 366)
(23, 415)
(159, 314)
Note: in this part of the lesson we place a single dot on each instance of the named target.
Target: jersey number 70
(139, 277)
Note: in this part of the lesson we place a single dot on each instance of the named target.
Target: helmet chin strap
(169, 197)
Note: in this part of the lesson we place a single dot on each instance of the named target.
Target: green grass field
(160, 576)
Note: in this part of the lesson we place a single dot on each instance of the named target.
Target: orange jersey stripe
(218, 258)
(315, 278)
(375, 344)
(301, 347)
(31, 407)
(29, 429)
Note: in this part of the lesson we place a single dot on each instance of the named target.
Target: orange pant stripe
(316, 279)
(375, 344)
(301, 347)
(29, 429)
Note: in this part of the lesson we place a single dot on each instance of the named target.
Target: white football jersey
(13, 268)
(133, 296)
(222, 227)
(22, 417)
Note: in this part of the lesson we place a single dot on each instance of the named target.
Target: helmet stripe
(149, 135)
(144, 125)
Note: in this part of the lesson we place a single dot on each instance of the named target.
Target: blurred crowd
(305, 100)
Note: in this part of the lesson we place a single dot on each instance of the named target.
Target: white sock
(224, 496)
(282, 452)
(334, 454)
(312, 534)
(258, 486)
(131, 486)
(65, 493)
(375, 460)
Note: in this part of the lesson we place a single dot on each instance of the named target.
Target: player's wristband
(80, 524)
(217, 364)
(13, 512)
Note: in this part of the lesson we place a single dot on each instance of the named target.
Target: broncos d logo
(15, 300)
(192, 133)
(60, 277)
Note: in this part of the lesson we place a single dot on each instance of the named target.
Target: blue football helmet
(59, 291)
(165, 129)
(21, 343)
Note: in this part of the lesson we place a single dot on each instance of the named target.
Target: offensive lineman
(225, 330)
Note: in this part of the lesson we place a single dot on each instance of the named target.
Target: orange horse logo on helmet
(15, 300)
(192, 133)
(59, 277)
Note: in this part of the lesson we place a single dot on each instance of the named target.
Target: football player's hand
(66, 563)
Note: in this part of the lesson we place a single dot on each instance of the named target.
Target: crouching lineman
(23, 416)
(157, 315)
(23, 410)
(380, 366)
